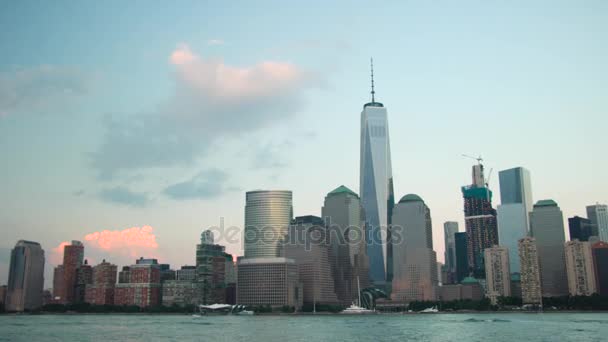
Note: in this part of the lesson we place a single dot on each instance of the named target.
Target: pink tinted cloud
(118, 245)
(129, 241)
(224, 83)
(56, 257)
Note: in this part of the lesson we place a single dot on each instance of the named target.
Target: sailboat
(356, 309)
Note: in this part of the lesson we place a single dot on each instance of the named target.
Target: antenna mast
(372, 67)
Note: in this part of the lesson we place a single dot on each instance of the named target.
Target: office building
(513, 211)
(101, 291)
(581, 228)
(547, 227)
(309, 247)
(376, 187)
(480, 221)
(267, 218)
(144, 286)
(73, 257)
(462, 256)
(179, 293)
(58, 283)
(415, 262)
(186, 273)
(468, 289)
(531, 292)
(599, 251)
(498, 273)
(25, 277)
(579, 268)
(449, 229)
(268, 281)
(343, 218)
(598, 214)
(84, 277)
(212, 261)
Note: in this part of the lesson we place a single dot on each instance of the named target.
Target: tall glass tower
(513, 211)
(376, 187)
(268, 214)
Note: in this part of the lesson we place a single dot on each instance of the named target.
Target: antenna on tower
(372, 67)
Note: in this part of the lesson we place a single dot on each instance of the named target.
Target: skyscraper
(268, 214)
(449, 229)
(309, 248)
(264, 275)
(581, 228)
(513, 212)
(462, 256)
(25, 277)
(480, 221)
(579, 268)
(531, 292)
(547, 227)
(498, 274)
(415, 273)
(598, 214)
(376, 186)
(344, 220)
(600, 266)
(73, 257)
(210, 277)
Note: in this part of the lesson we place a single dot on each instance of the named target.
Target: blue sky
(109, 118)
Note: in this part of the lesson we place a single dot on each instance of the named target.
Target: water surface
(440, 327)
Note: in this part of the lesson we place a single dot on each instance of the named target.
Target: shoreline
(300, 313)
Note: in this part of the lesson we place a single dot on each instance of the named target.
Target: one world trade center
(376, 188)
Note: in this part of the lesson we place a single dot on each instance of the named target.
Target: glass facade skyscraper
(547, 227)
(462, 256)
(415, 273)
(449, 229)
(513, 212)
(26, 277)
(598, 214)
(376, 188)
(268, 214)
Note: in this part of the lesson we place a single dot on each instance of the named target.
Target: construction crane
(479, 159)
(488, 179)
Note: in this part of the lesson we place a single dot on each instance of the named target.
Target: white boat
(356, 309)
(429, 310)
(245, 313)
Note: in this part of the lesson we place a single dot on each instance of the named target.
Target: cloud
(117, 245)
(215, 42)
(41, 89)
(134, 237)
(271, 156)
(56, 257)
(122, 195)
(206, 184)
(212, 100)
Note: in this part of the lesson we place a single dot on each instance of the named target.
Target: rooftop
(343, 190)
(469, 280)
(410, 198)
(545, 203)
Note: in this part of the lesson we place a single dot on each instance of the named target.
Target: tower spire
(372, 67)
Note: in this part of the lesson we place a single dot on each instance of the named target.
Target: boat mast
(359, 291)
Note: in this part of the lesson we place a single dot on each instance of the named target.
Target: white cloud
(212, 100)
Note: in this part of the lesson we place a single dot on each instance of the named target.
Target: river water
(484, 327)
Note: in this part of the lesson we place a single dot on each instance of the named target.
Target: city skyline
(57, 124)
